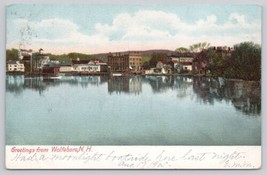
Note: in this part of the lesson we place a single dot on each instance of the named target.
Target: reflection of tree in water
(244, 95)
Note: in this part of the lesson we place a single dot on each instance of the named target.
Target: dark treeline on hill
(12, 54)
(66, 58)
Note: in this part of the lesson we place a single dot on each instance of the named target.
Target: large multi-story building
(135, 60)
(124, 61)
(118, 62)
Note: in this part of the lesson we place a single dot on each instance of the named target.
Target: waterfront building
(50, 69)
(89, 66)
(118, 62)
(135, 60)
(125, 61)
(183, 61)
(15, 66)
(66, 68)
(39, 60)
(86, 68)
(103, 67)
(24, 54)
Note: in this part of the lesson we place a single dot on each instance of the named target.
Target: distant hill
(103, 56)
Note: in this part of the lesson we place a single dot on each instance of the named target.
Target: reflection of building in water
(125, 84)
(85, 81)
(135, 85)
(17, 84)
(160, 83)
(245, 96)
(184, 86)
(14, 84)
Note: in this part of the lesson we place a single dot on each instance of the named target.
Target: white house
(184, 63)
(15, 66)
(86, 68)
(65, 68)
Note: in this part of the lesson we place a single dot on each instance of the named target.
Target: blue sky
(96, 28)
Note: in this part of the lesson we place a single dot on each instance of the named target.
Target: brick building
(124, 61)
(118, 62)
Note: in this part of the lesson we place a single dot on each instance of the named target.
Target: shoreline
(123, 75)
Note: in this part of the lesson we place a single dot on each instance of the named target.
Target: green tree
(11, 54)
(245, 61)
(155, 58)
(216, 61)
(74, 55)
(181, 50)
(198, 46)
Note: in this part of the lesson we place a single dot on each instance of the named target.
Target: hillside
(144, 53)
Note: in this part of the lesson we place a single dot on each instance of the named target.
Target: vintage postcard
(137, 86)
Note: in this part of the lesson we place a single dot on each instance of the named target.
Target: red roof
(26, 58)
(98, 60)
(24, 50)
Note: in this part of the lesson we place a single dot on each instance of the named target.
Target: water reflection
(243, 95)
(126, 84)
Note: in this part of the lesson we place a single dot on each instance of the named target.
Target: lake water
(132, 110)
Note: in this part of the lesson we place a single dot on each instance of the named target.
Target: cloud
(144, 29)
(237, 18)
(163, 26)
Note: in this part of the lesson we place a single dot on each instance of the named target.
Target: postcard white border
(2, 94)
(133, 157)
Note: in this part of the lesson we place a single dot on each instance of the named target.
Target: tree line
(243, 61)
(12, 54)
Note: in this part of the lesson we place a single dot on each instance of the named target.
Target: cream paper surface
(133, 157)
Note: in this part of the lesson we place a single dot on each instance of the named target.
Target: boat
(116, 74)
(56, 77)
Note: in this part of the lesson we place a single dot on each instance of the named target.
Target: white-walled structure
(15, 66)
